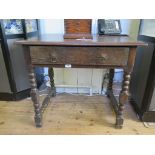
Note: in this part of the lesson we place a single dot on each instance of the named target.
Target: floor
(69, 114)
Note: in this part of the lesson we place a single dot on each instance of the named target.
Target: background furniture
(143, 76)
(77, 28)
(14, 83)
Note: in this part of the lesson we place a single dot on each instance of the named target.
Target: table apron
(83, 57)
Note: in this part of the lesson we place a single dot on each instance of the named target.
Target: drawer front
(79, 55)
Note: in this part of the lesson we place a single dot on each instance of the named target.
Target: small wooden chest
(77, 28)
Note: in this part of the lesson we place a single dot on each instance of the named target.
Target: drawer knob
(101, 58)
(53, 59)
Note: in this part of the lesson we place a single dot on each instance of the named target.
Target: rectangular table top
(58, 40)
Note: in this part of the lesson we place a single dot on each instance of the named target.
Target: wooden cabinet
(14, 83)
(143, 77)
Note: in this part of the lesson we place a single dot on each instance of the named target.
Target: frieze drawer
(79, 55)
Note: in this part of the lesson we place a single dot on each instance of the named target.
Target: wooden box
(77, 28)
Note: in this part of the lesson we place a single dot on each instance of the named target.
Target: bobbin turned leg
(34, 90)
(35, 97)
(123, 98)
(51, 75)
(110, 84)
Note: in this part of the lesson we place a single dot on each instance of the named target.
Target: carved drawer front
(79, 55)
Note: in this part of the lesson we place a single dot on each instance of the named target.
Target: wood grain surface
(58, 39)
(69, 114)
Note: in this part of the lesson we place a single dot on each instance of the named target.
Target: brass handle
(53, 59)
(101, 58)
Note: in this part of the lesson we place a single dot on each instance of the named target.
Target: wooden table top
(58, 40)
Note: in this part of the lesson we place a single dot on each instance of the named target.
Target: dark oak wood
(77, 36)
(103, 41)
(123, 98)
(46, 101)
(34, 90)
(110, 86)
(51, 75)
(99, 52)
(111, 76)
(124, 94)
(79, 55)
(113, 102)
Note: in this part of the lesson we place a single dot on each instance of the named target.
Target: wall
(51, 26)
(148, 27)
(81, 77)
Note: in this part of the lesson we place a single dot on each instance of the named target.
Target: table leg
(51, 75)
(35, 97)
(123, 98)
(110, 84)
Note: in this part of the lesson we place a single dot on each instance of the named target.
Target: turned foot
(38, 121)
(119, 122)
